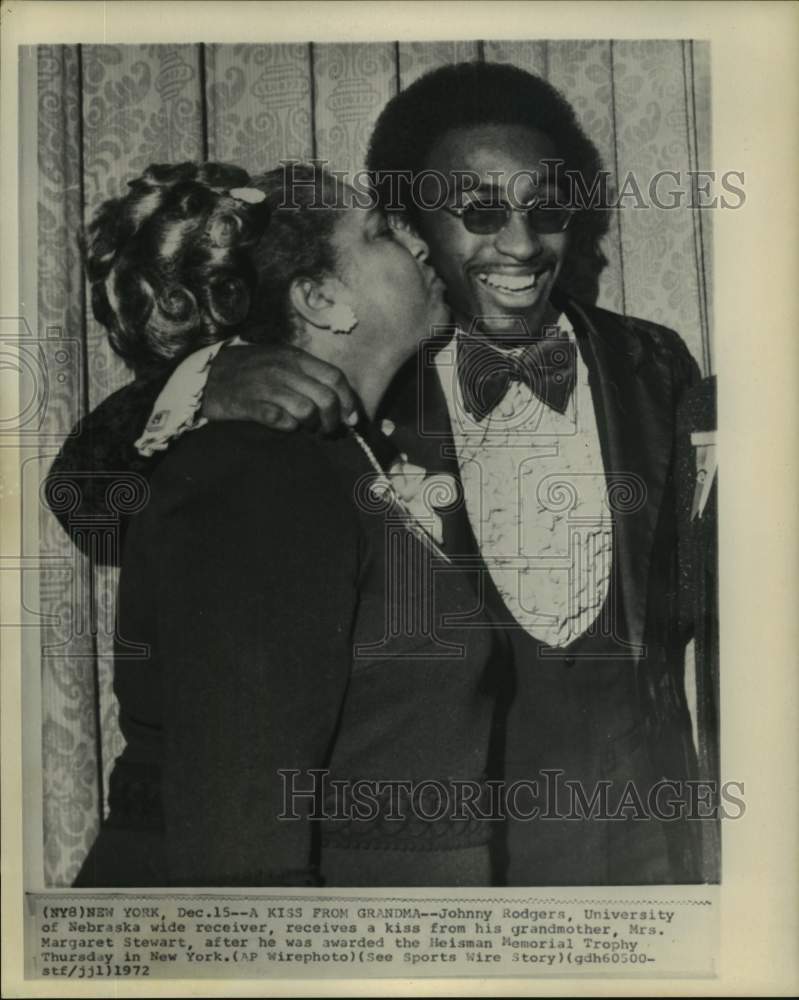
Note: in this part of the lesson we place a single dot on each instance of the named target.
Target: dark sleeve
(674, 352)
(98, 479)
(255, 557)
(687, 369)
(697, 412)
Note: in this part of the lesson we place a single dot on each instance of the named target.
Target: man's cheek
(442, 246)
(449, 266)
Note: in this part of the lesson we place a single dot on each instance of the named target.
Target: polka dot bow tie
(547, 365)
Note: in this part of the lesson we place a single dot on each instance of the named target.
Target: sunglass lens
(484, 219)
(549, 220)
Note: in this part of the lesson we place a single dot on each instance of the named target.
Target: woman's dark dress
(282, 639)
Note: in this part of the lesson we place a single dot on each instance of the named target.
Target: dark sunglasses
(484, 218)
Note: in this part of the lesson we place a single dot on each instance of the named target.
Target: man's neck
(513, 338)
(511, 344)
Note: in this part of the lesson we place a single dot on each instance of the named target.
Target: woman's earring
(342, 318)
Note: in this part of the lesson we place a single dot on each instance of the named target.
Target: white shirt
(536, 497)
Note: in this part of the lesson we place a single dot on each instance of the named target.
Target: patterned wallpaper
(107, 111)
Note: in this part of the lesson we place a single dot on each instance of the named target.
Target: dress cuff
(177, 408)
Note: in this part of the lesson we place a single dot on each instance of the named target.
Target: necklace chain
(413, 522)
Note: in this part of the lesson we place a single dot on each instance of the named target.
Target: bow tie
(547, 365)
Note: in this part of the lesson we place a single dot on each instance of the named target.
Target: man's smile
(515, 287)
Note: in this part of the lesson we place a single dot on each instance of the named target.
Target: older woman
(318, 699)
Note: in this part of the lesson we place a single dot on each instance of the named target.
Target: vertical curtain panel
(105, 112)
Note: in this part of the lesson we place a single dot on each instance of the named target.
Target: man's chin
(511, 327)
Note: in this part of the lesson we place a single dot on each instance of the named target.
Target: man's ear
(311, 300)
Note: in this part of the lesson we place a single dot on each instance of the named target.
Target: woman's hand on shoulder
(280, 386)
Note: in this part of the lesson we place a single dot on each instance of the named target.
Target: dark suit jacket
(263, 592)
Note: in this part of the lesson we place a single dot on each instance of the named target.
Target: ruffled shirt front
(536, 496)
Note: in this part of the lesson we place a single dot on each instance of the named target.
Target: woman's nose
(409, 238)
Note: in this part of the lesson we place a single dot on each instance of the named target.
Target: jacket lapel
(417, 406)
(632, 392)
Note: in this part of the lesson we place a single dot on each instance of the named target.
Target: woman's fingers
(296, 404)
(333, 379)
(274, 416)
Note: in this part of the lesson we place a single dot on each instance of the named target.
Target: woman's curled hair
(170, 263)
(198, 252)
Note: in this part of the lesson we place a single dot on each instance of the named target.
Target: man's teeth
(510, 282)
